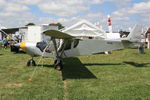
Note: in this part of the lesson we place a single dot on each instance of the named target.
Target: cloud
(64, 7)
(138, 8)
(19, 12)
(28, 2)
(16, 20)
(138, 13)
(12, 7)
(119, 0)
(7, 6)
(2, 3)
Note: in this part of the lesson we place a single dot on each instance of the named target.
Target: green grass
(122, 75)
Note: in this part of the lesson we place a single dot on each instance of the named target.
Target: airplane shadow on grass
(74, 69)
(136, 64)
(101, 64)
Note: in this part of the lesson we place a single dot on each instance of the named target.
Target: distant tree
(29, 24)
(52, 24)
(60, 26)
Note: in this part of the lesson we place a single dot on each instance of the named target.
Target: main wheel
(31, 62)
(58, 65)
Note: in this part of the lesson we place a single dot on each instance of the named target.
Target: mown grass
(122, 75)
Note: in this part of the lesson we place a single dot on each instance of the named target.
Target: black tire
(14, 49)
(58, 65)
(31, 62)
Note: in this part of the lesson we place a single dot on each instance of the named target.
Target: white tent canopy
(86, 29)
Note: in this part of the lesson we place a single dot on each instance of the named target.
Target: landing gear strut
(31, 62)
(58, 61)
(58, 64)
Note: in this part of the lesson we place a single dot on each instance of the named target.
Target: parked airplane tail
(135, 34)
(109, 24)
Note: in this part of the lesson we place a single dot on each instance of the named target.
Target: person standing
(148, 40)
(141, 46)
(5, 42)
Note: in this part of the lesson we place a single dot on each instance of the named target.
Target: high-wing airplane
(61, 45)
(4, 32)
(8, 32)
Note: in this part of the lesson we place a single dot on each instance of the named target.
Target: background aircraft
(61, 45)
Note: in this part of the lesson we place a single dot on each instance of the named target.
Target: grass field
(122, 75)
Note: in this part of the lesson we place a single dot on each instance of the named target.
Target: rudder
(136, 33)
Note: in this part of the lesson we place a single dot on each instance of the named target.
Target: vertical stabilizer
(136, 33)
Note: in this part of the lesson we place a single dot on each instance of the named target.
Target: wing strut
(55, 47)
(58, 62)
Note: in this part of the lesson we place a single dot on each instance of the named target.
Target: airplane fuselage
(74, 47)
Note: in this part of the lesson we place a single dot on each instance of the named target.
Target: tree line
(60, 26)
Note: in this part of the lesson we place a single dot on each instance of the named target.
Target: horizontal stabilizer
(58, 34)
(126, 41)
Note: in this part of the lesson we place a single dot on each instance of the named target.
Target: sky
(124, 13)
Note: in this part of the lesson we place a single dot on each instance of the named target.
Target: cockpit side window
(76, 42)
(69, 44)
(41, 45)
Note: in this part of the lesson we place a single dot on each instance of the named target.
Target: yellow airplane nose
(23, 45)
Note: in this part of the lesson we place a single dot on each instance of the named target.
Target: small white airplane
(61, 45)
(4, 32)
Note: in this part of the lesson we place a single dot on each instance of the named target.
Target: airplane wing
(58, 34)
(10, 30)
